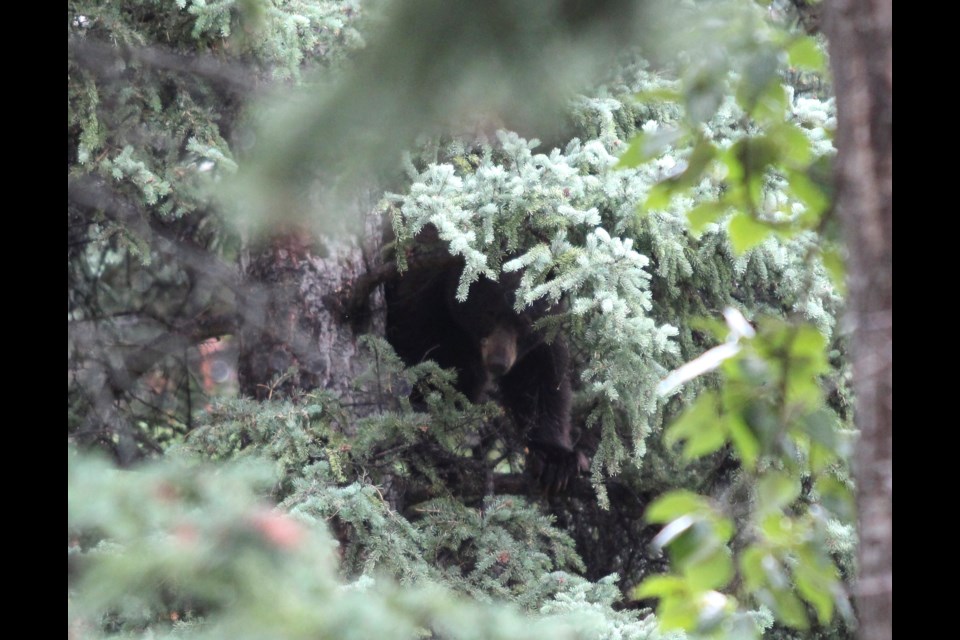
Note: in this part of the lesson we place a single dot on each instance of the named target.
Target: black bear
(496, 353)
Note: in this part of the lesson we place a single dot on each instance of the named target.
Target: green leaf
(789, 609)
(705, 213)
(685, 538)
(821, 457)
(707, 439)
(835, 265)
(633, 155)
(674, 504)
(659, 587)
(759, 76)
(771, 105)
(745, 443)
(723, 528)
(678, 613)
(646, 146)
(835, 496)
(805, 53)
(711, 571)
(763, 422)
(807, 353)
(815, 578)
(659, 196)
(822, 425)
(704, 94)
(704, 152)
(700, 426)
(714, 327)
(794, 145)
(756, 154)
(805, 190)
(730, 158)
(746, 232)
(751, 566)
(715, 608)
(778, 529)
(776, 491)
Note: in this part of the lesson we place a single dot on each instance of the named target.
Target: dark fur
(496, 353)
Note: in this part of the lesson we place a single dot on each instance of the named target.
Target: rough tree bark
(860, 33)
(295, 334)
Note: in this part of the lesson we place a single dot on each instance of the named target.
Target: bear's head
(500, 334)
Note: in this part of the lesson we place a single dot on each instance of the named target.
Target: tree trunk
(296, 333)
(861, 50)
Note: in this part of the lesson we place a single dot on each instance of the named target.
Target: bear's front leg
(537, 394)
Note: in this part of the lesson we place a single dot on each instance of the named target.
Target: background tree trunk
(861, 51)
(296, 334)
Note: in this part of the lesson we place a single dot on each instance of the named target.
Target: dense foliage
(668, 197)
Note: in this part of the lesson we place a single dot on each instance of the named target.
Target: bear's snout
(499, 350)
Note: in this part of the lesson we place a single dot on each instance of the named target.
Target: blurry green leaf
(700, 426)
(711, 571)
(702, 155)
(715, 608)
(646, 146)
(705, 213)
(753, 190)
(745, 443)
(751, 566)
(807, 352)
(822, 425)
(759, 75)
(821, 457)
(730, 158)
(659, 196)
(634, 154)
(703, 97)
(771, 105)
(659, 586)
(704, 152)
(805, 53)
(777, 528)
(763, 422)
(801, 187)
(756, 154)
(714, 327)
(724, 529)
(776, 491)
(835, 496)
(678, 613)
(795, 147)
(815, 580)
(789, 609)
(684, 538)
(674, 504)
(834, 262)
(746, 233)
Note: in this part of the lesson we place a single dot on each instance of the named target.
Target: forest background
(653, 169)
